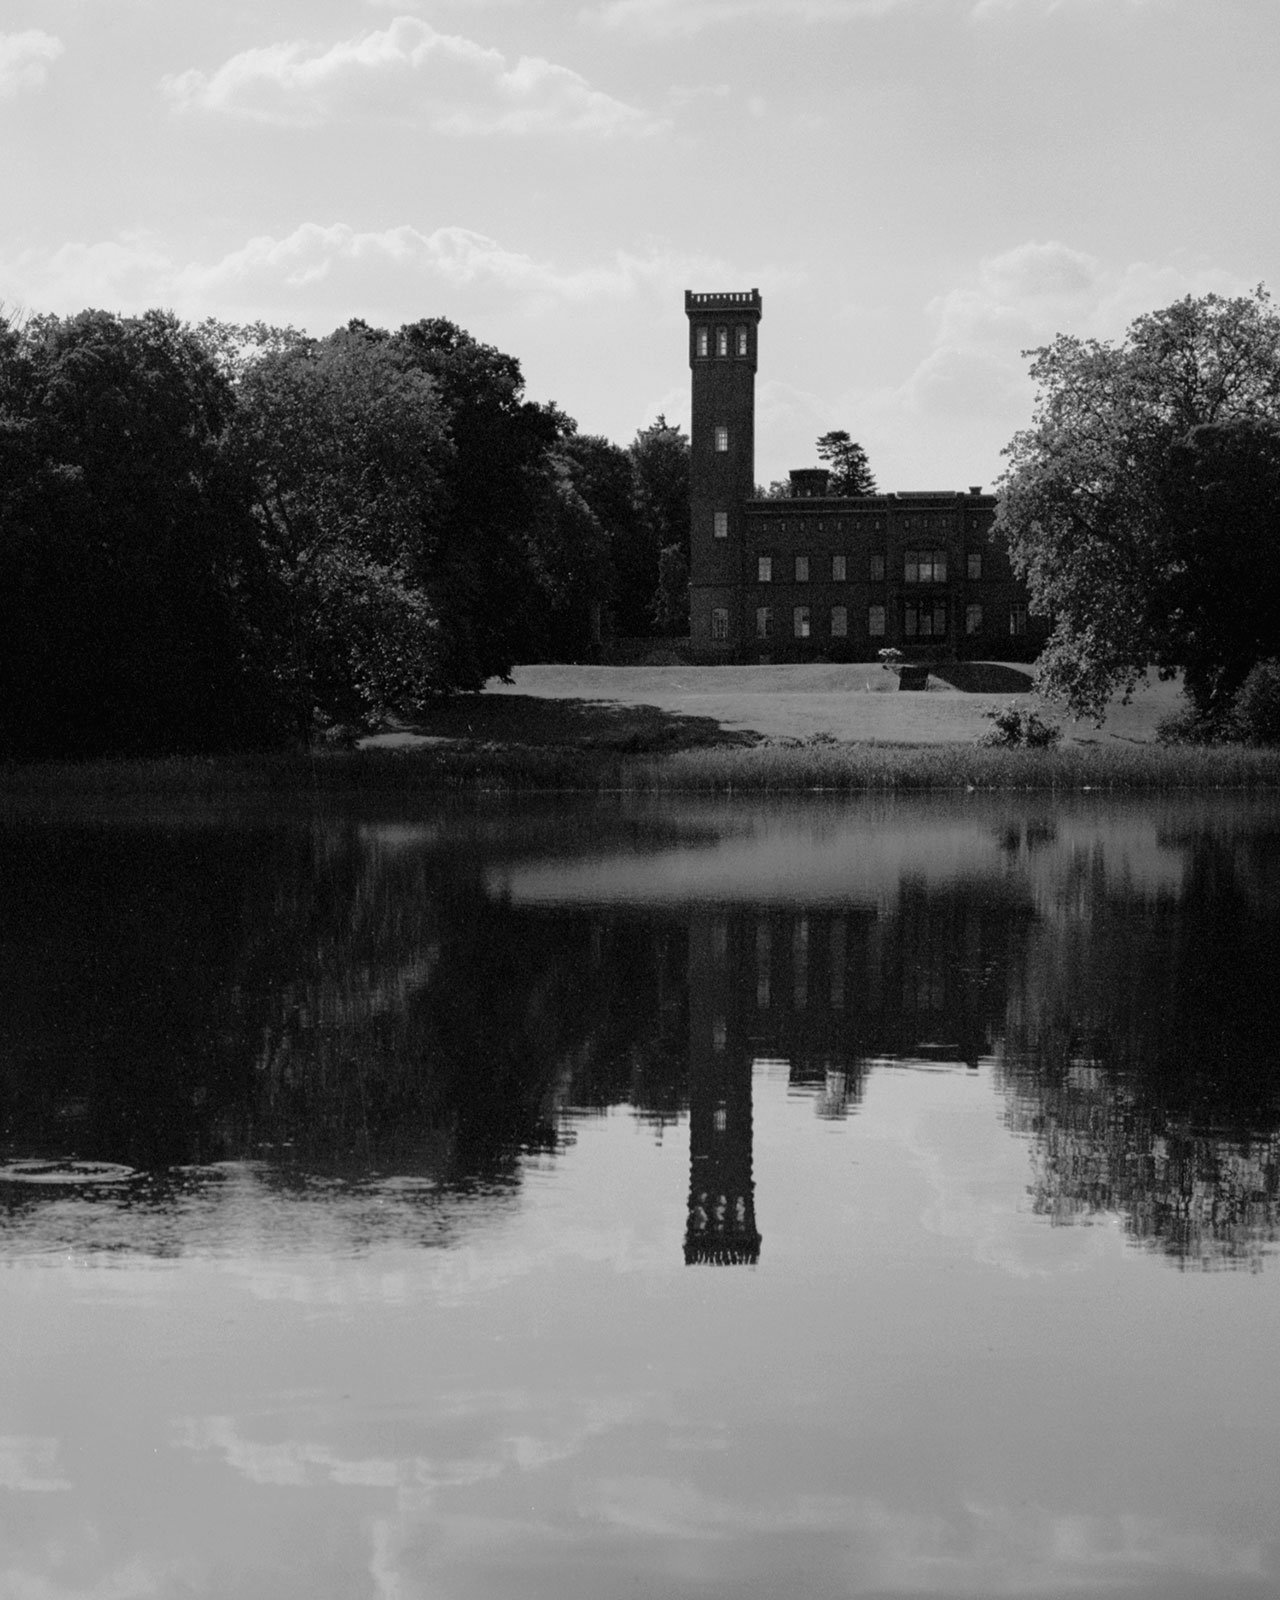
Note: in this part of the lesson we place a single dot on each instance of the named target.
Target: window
(722, 439)
(720, 524)
(722, 341)
(973, 619)
(875, 621)
(764, 622)
(702, 342)
(973, 564)
(719, 622)
(800, 622)
(802, 569)
(925, 566)
(875, 566)
(742, 341)
(839, 622)
(838, 572)
(925, 619)
(1017, 620)
(764, 569)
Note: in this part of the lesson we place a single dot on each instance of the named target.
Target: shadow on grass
(521, 719)
(982, 677)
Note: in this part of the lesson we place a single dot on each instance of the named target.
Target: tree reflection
(343, 1002)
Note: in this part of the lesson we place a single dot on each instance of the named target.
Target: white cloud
(25, 59)
(411, 72)
(29, 1465)
(668, 18)
(332, 272)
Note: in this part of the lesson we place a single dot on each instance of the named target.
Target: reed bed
(766, 767)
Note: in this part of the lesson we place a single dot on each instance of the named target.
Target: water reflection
(371, 1024)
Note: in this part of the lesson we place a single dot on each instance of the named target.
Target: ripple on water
(33, 1170)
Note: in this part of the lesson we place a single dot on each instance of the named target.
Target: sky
(921, 189)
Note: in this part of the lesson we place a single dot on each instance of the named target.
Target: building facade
(817, 577)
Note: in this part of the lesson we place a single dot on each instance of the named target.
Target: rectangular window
(1017, 620)
(702, 342)
(722, 439)
(973, 619)
(839, 622)
(800, 621)
(742, 341)
(764, 622)
(719, 622)
(974, 564)
(875, 566)
(764, 569)
(802, 569)
(875, 621)
(925, 619)
(720, 524)
(722, 341)
(838, 569)
(924, 566)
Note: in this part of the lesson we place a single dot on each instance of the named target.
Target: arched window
(722, 439)
(701, 342)
(722, 341)
(742, 342)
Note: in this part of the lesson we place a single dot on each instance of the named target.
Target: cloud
(670, 18)
(25, 58)
(29, 1464)
(332, 270)
(411, 72)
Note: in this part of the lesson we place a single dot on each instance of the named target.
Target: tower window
(875, 621)
(839, 622)
(802, 569)
(722, 439)
(764, 622)
(702, 342)
(720, 524)
(838, 569)
(722, 341)
(1017, 620)
(764, 569)
(742, 341)
(973, 564)
(800, 622)
(719, 622)
(973, 619)
(875, 566)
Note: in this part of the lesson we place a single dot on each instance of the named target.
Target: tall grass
(762, 768)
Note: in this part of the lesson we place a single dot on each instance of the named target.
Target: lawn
(673, 706)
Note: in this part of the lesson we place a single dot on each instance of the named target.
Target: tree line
(226, 536)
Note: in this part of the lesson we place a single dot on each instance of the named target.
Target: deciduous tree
(1115, 510)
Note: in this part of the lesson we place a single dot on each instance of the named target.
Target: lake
(655, 1198)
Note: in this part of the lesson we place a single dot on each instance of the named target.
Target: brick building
(817, 577)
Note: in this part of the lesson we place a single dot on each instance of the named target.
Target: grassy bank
(762, 768)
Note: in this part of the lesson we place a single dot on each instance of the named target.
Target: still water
(642, 1199)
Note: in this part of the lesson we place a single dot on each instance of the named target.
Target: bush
(1255, 711)
(1013, 728)
(890, 659)
(1190, 726)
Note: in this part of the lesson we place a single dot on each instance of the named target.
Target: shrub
(1255, 711)
(1189, 726)
(1013, 728)
(890, 659)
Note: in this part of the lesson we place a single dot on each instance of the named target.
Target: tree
(1113, 507)
(126, 550)
(344, 447)
(489, 562)
(850, 470)
(660, 492)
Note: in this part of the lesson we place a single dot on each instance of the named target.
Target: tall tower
(723, 330)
